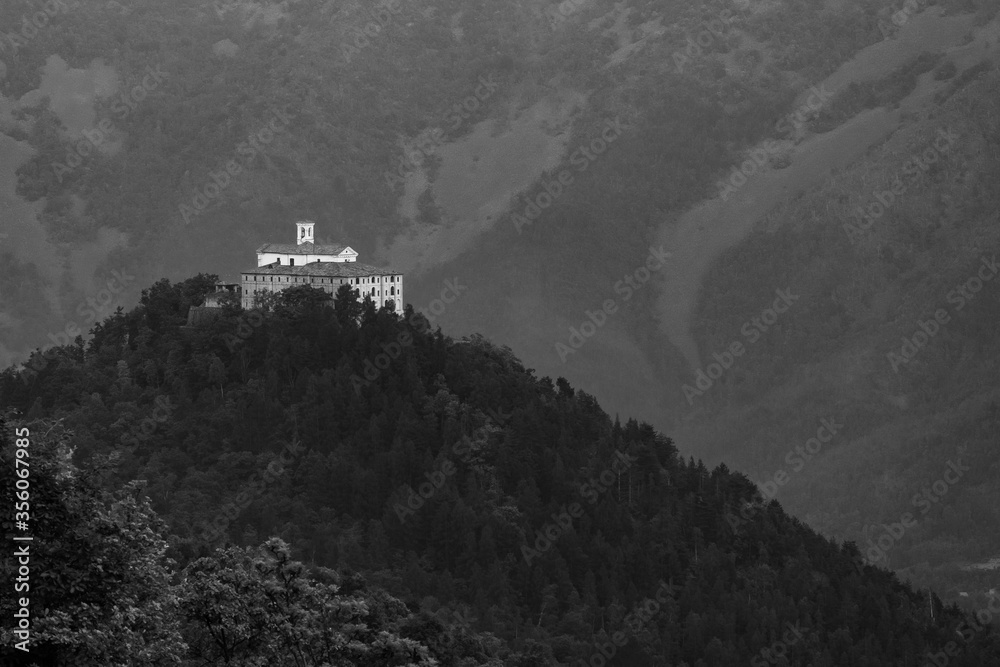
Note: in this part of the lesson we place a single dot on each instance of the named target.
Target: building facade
(326, 267)
(303, 251)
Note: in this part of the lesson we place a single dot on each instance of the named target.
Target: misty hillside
(426, 135)
(444, 507)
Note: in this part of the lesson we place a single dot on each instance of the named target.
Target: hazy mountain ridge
(684, 130)
(351, 108)
(865, 291)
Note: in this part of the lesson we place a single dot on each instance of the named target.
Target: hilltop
(420, 138)
(440, 472)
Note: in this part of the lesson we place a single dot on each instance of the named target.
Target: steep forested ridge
(471, 512)
(354, 114)
(689, 113)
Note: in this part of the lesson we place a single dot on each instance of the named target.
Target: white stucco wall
(270, 257)
(380, 288)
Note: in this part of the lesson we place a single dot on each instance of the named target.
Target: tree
(99, 584)
(301, 299)
(257, 606)
(346, 305)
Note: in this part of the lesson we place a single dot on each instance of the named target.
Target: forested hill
(473, 513)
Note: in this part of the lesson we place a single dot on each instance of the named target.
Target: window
(291, 261)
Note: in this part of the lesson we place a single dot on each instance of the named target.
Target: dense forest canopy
(452, 507)
(210, 417)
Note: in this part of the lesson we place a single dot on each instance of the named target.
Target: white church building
(327, 267)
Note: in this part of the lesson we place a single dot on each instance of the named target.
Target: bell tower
(304, 231)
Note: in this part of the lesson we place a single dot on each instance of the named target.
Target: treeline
(449, 476)
(837, 352)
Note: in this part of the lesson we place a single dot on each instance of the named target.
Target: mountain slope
(448, 474)
(689, 115)
(894, 334)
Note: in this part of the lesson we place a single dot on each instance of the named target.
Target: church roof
(303, 248)
(324, 269)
